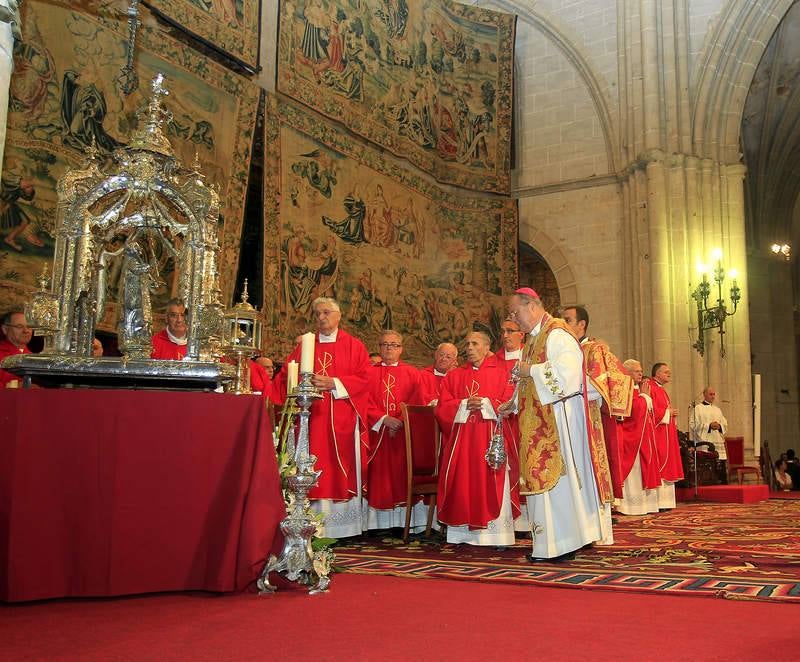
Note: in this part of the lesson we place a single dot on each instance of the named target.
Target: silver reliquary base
(111, 372)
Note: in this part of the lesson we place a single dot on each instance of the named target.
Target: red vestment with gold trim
(8, 348)
(638, 438)
(165, 349)
(387, 473)
(666, 435)
(332, 425)
(470, 492)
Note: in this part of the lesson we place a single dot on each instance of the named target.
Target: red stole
(666, 435)
(470, 492)
(387, 473)
(332, 425)
(165, 349)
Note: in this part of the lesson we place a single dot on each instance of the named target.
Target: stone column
(737, 362)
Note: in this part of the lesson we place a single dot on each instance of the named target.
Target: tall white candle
(307, 353)
(291, 376)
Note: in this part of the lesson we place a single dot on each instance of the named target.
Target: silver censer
(496, 453)
(296, 560)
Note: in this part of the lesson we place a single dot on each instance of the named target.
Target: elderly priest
(477, 503)
(341, 368)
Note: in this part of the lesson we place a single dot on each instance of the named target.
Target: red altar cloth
(119, 492)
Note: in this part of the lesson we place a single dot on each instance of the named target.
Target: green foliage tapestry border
(233, 26)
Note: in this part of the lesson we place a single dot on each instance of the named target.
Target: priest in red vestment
(338, 420)
(16, 336)
(477, 503)
(640, 470)
(667, 446)
(445, 359)
(170, 342)
(512, 339)
(391, 383)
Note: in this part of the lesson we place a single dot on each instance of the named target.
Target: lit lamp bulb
(775, 248)
(702, 269)
(716, 254)
(734, 275)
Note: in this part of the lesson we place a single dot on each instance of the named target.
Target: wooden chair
(734, 449)
(423, 441)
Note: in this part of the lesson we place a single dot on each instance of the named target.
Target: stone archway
(544, 267)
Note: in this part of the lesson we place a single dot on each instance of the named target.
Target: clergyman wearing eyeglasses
(16, 336)
(170, 342)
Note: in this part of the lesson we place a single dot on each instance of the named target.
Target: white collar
(535, 330)
(330, 338)
(438, 374)
(390, 365)
(177, 341)
(516, 354)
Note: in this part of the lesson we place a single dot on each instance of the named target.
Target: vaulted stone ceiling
(771, 139)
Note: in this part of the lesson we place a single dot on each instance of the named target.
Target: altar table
(114, 492)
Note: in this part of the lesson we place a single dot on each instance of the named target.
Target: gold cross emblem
(325, 362)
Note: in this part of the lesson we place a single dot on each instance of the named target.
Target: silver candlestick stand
(296, 561)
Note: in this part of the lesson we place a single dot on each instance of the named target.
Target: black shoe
(555, 559)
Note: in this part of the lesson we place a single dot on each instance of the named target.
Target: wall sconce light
(714, 316)
(782, 249)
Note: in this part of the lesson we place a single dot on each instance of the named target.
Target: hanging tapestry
(343, 219)
(65, 95)
(232, 26)
(429, 80)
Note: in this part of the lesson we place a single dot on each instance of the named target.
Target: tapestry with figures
(66, 95)
(233, 26)
(429, 80)
(346, 220)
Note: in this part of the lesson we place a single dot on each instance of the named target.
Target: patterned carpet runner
(734, 551)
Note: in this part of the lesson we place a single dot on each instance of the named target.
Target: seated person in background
(375, 358)
(783, 479)
(16, 336)
(793, 468)
(170, 342)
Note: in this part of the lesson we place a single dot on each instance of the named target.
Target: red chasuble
(164, 348)
(469, 491)
(638, 438)
(387, 473)
(332, 425)
(8, 348)
(667, 446)
(430, 384)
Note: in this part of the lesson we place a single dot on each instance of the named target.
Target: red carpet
(387, 618)
(785, 495)
(724, 493)
(733, 551)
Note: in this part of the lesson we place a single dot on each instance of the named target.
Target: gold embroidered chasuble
(541, 460)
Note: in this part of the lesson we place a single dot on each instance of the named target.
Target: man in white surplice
(709, 423)
(555, 457)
